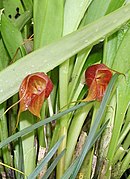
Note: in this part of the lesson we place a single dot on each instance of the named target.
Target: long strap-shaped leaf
(39, 124)
(93, 130)
(71, 169)
(44, 162)
(47, 58)
(53, 165)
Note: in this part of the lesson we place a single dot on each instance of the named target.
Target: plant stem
(26, 118)
(125, 163)
(55, 135)
(74, 132)
(61, 164)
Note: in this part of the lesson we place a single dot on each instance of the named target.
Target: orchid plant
(65, 128)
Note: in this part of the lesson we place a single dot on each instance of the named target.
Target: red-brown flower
(35, 88)
(97, 78)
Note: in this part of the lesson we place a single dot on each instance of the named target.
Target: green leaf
(74, 131)
(9, 32)
(23, 19)
(123, 54)
(123, 99)
(28, 4)
(90, 16)
(4, 57)
(46, 159)
(47, 58)
(48, 22)
(72, 20)
(10, 8)
(71, 170)
(112, 43)
(3, 135)
(39, 124)
(53, 165)
(1, 4)
(115, 5)
(28, 141)
(93, 13)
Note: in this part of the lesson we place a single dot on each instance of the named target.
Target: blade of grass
(126, 142)
(46, 159)
(127, 122)
(121, 167)
(125, 147)
(12, 168)
(125, 163)
(124, 134)
(71, 170)
(45, 59)
(119, 152)
(53, 165)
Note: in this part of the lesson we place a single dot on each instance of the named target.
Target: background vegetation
(86, 140)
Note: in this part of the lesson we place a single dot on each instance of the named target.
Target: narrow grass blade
(125, 163)
(71, 169)
(45, 160)
(39, 124)
(12, 168)
(98, 118)
(53, 165)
